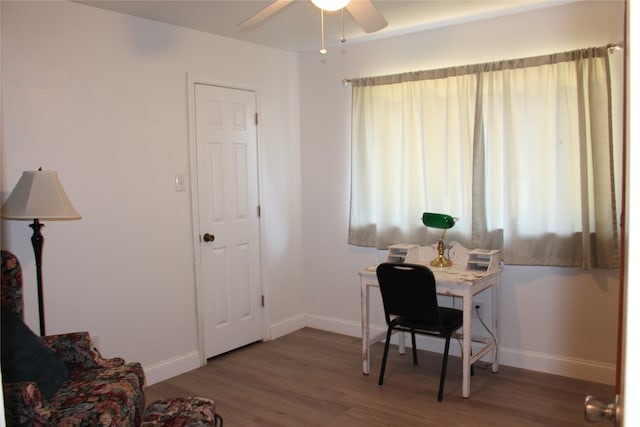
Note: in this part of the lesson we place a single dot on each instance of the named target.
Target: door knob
(594, 410)
(208, 237)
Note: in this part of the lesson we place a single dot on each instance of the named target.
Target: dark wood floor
(314, 378)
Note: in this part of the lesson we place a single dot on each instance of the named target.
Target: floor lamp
(38, 195)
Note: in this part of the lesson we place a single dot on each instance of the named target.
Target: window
(520, 151)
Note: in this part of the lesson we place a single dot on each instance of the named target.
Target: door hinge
(259, 211)
(256, 119)
(262, 300)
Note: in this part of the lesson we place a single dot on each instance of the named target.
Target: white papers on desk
(455, 274)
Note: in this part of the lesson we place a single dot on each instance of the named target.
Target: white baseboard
(287, 326)
(587, 370)
(331, 324)
(179, 365)
(171, 367)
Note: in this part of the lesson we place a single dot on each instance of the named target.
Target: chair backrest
(11, 291)
(409, 290)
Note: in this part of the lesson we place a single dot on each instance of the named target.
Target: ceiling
(297, 26)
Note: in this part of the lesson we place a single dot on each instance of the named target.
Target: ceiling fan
(362, 11)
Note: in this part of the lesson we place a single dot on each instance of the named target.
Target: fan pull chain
(322, 49)
(342, 39)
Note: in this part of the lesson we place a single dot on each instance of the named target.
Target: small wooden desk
(453, 281)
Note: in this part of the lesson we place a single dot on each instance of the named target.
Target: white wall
(101, 98)
(555, 320)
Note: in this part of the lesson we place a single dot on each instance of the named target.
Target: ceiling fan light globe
(330, 5)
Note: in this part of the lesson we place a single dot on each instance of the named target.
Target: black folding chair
(411, 305)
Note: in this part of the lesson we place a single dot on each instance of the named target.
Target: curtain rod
(611, 47)
(615, 46)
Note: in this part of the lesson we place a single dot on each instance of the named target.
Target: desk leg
(364, 310)
(402, 349)
(466, 344)
(495, 310)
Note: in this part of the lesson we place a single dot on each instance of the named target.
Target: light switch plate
(180, 182)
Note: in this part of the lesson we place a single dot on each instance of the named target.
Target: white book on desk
(484, 260)
(403, 252)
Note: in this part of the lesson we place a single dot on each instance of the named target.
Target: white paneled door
(228, 217)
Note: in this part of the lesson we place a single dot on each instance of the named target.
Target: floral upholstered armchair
(61, 379)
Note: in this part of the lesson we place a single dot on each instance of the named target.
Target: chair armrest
(78, 353)
(24, 404)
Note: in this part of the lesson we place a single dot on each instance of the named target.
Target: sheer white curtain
(520, 151)
(402, 166)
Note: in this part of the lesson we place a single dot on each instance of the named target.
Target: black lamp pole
(37, 240)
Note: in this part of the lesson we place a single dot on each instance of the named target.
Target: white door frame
(192, 80)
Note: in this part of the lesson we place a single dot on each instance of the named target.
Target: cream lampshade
(39, 194)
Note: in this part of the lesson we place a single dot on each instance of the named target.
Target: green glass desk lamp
(444, 222)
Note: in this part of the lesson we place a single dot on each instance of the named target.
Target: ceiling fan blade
(366, 15)
(263, 14)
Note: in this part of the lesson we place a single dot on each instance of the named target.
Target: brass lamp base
(441, 260)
